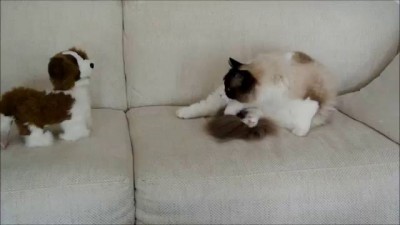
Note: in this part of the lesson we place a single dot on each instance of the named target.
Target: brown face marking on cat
(301, 57)
(239, 83)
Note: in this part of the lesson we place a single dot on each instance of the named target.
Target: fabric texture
(343, 172)
(85, 182)
(177, 52)
(378, 103)
(33, 31)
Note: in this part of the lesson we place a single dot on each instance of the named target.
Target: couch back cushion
(177, 52)
(33, 31)
(377, 104)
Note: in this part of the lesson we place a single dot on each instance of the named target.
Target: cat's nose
(92, 65)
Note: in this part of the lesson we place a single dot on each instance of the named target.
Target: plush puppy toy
(67, 105)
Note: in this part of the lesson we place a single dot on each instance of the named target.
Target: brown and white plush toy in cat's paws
(67, 105)
(248, 124)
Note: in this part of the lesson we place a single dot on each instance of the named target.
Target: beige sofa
(143, 165)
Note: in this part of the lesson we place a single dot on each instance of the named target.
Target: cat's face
(239, 84)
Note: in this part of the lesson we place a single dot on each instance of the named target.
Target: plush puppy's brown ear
(63, 72)
(55, 68)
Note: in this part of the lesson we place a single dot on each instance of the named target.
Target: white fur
(275, 99)
(293, 114)
(84, 64)
(233, 107)
(38, 137)
(207, 107)
(289, 56)
(253, 114)
(79, 125)
(283, 82)
(5, 123)
(80, 122)
(210, 106)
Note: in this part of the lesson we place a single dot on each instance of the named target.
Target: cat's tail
(231, 127)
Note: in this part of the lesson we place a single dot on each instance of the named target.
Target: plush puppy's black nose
(91, 65)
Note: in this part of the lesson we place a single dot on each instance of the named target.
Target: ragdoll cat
(292, 89)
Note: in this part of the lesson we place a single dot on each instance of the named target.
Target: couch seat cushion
(344, 172)
(85, 182)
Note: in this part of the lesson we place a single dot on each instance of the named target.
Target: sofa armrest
(377, 104)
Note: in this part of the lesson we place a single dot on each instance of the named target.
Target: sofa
(143, 165)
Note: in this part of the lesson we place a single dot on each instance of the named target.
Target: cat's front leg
(233, 107)
(206, 107)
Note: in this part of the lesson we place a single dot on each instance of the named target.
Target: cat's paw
(250, 121)
(300, 131)
(183, 113)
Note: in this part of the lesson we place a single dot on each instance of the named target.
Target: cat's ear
(234, 64)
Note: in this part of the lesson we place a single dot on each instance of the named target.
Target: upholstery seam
(127, 109)
(123, 54)
(110, 108)
(67, 185)
(133, 165)
(367, 125)
(268, 173)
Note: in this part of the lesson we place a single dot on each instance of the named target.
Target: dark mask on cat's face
(239, 84)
